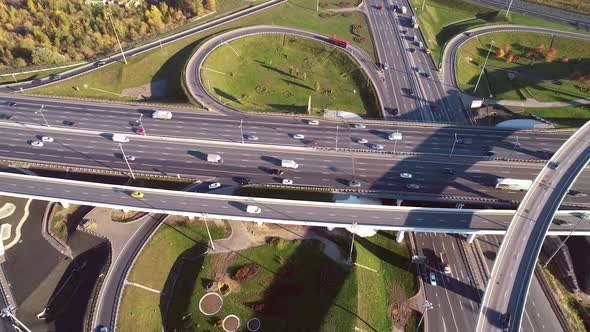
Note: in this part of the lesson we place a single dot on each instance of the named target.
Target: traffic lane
(424, 140)
(539, 316)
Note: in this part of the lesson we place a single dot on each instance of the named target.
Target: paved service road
(273, 210)
(506, 294)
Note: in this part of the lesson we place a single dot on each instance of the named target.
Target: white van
(253, 209)
(289, 163)
(163, 115)
(120, 138)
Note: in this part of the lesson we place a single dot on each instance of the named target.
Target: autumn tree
(500, 53)
(565, 59)
(506, 48)
(210, 5)
(510, 57)
(551, 55)
(540, 50)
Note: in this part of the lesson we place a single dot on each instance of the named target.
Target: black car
(11, 103)
(244, 181)
(412, 49)
(99, 63)
(506, 320)
(490, 153)
(277, 172)
(411, 92)
(395, 111)
(553, 165)
(54, 77)
(448, 171)
(69, 123)
(576, 193)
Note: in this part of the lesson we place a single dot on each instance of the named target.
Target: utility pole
(352, 243)
(126, 161)
(427, 306)
(337, 127)
(8, 314)
(242, 130)
(583, 216)
(509, 6)
(453, 148)
(516, 144)
(208, 233)
(110, 15)
(141, 124)
(484, 67)
(42, 115)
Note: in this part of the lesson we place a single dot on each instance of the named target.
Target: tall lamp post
(337, 128)
(484, 66)
(453, 147)
(242, 130)
(42, 115)
(352, 243)
(508, 10)
(516, 144)
(110, 15)
(427, 306)
(583, 216)
(126, 161)
(140, 123)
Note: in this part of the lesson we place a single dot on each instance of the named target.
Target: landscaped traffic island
(278, 73)
(525, 66)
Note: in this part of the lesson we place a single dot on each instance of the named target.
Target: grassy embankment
(277, 74)
(165, 65)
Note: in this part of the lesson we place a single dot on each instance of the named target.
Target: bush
(246, 272)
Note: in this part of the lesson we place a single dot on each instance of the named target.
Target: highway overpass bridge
(375, 217)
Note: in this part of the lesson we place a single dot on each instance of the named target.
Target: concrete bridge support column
(64, 204)
(470, 238)
(400, 236)
(330, 228)
(399, 202)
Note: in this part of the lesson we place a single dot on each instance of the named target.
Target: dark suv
(277, 172)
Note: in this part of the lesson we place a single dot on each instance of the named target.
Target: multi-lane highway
(272, 210)
(470, 177)
(506, 293)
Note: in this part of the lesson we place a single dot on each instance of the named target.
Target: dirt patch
(210, 304)
(231, 323)
(120, 216)
(247, 272)
(180, 220)
(399, 310)
(157, 89)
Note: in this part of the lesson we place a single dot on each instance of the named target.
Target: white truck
(214, 158)
(162, 115)
(253, 209)
(289, 163)
(120, 138)
(404, 9)
(513, 184)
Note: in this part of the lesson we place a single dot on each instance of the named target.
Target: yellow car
(427, 50)
(137, 194)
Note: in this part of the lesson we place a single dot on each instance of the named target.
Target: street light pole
(484, 67)
(583, 216)
(126, 161)
(352, 243)
(509, 6)
(423, 4)
(516, 143)
(395, 142)
(242, 130)
(453, 148)
(209, 233)
(141, 124)
(427, 306)
(110, 15)
(337, 127)
(43, 116)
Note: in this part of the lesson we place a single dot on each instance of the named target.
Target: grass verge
(277, 73)
(441, 20)
(161, 68)
(569, 116)
(570, 305)
(528, 75)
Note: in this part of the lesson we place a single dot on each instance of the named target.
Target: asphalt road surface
(272, 210)
(153, 155)
(503, 303)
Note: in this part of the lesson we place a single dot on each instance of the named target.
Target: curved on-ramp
(192, 77)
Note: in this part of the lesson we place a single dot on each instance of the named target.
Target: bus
(339, 42)
(513, 184)
(445, 263)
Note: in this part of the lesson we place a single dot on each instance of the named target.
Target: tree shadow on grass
(384, 254)
(289, 108)
(297, 84)
(226, 95)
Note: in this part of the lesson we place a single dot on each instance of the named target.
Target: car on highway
(129, 157)
(506, 320)
(427, 75)
(358, 126)
(54, 77)
(137, 194)
(11, 103)
(313, 122)
(448, 171)
(561, 222)
(354, 184)
(385, 66)
(361, 140)
(412, 186)
(490, 153)
(393, 111)
(253, 209)
(37, 144)
(380, 6)
(412, 50)
(287, 181)
(376, 146)
(214, 185)
(277, 171)
(251, 137)
(405, 175)
(553, 165)
(99, 63)
(139, 131)
(243, 181)
(47, 139)
(432, 279)
(312, 143)
(10, 117)
(427, 50)
(576, 193)
(69, 123)
(411, 92)
(298, 136)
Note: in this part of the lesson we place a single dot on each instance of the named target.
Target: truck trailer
(513, 184)
(214, 158)
(289, 163)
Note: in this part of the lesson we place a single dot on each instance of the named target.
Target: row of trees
(44, 32)
(537, 53)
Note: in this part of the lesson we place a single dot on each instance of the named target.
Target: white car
(313, 122)
(252, 137)
(406, 175)
(287, 181)
(412, 186)
(298, 136)
(214, 185)
(358, 126)
(130, 157)
(376, 146)
(432, 279)
(37, 144)
(362, 140)
(47, 139)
